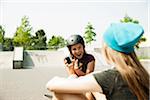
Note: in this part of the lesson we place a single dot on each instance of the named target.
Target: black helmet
(74, 39)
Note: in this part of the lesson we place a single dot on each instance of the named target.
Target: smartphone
(68, 60)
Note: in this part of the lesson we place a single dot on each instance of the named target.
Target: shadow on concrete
(28, 62)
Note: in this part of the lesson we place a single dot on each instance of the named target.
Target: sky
(66, 17)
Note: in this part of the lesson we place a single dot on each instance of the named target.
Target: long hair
(131, 71)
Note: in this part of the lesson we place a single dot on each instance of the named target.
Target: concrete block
(18, 58)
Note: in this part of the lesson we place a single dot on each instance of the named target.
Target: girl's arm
(90, 68)
(77, 69)
(79, 72)
(79, 85)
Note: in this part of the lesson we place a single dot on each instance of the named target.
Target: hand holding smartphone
(68, 60)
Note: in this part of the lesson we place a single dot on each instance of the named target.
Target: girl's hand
(78, 68)
(77, 65)
(69, 64)
(65, 62)
(70, 67)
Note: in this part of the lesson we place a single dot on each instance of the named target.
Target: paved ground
(29, 84)
(26, 84)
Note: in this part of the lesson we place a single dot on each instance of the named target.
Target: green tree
(22, 36)
(56, 42)
(128, 19)
(89, 34)
(2, 33)
(31, 43)
(39, 41)
(8, 44)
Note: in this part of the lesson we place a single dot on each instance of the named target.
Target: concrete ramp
(55, 59)
(43, 59)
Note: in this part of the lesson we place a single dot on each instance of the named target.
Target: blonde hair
(131, 71)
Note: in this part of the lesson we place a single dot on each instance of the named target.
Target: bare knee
(57, 96)
(90, 96)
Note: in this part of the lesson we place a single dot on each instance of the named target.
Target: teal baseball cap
(122, 37)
